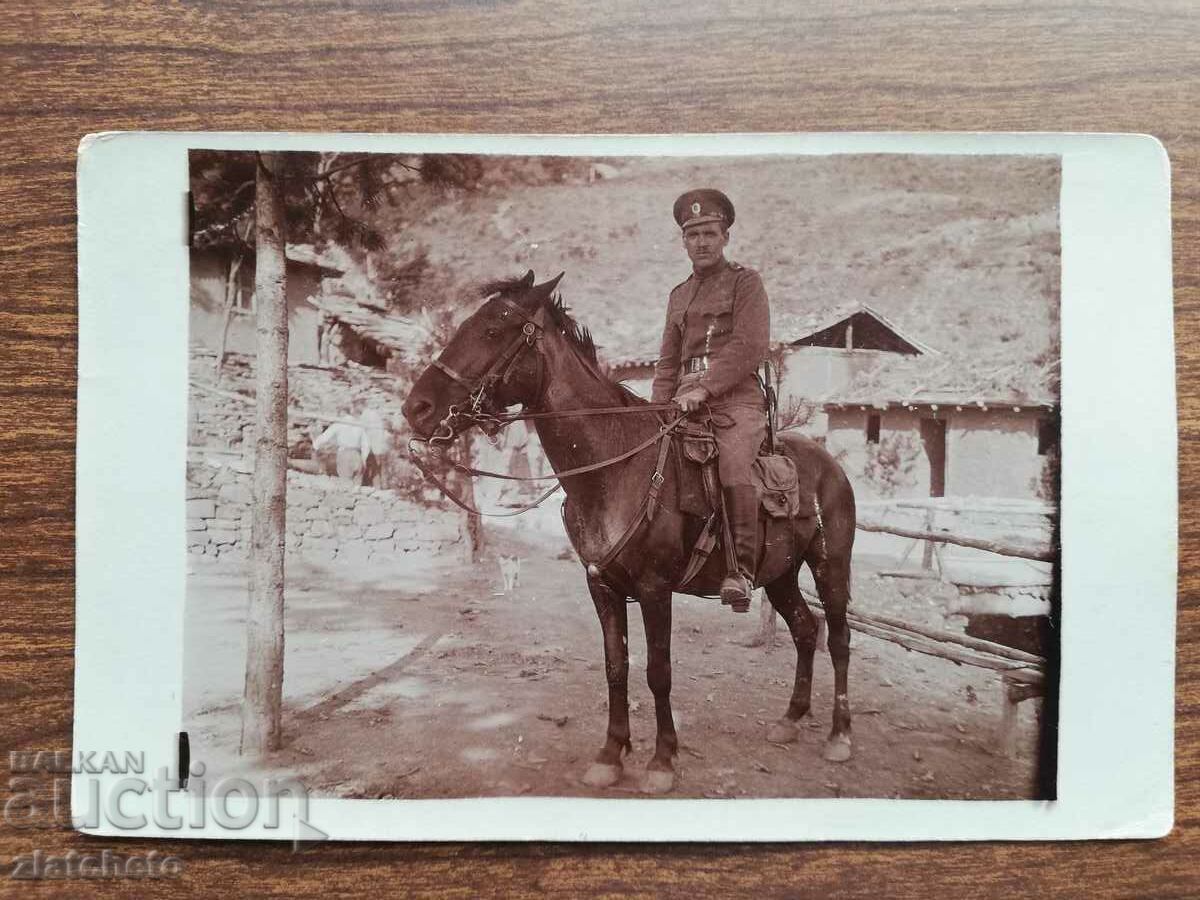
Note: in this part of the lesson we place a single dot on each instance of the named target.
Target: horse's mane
(577, 336)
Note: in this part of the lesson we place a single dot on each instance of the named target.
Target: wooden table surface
(67, 69)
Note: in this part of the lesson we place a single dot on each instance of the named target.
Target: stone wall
(215, 420)
(219, 425)
(328, 520)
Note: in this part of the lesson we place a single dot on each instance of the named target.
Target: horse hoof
(782, 732)
(602, 775)
(658, 781)
(837, 748)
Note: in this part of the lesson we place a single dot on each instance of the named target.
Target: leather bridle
(498, 373)
(476, 413)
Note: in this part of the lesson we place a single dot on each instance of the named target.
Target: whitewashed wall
(208, 272)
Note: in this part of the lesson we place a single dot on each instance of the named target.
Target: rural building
(357, 331)
(903, 420)
(956, 448)
(907, 424)
(832, 350)
(216, 274)
(836, 347)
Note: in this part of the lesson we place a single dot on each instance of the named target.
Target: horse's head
(489, 364)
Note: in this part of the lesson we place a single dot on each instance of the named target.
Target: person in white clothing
(353, 447)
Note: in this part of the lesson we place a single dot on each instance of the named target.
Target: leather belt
(695, 364)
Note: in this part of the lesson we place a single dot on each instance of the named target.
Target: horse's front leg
(610, 607)
(656, 614)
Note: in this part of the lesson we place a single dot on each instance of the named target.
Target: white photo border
(1118, 515)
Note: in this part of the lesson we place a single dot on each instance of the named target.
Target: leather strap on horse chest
(646, 508)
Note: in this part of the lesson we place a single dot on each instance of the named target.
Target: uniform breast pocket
(717, 318)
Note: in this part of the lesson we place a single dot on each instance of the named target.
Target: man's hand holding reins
(691, 399)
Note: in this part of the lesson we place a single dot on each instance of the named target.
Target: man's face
(705, 244)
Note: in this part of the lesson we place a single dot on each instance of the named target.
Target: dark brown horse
(521, 347)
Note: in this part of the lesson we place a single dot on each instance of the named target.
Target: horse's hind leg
(785, 596)
(606, 770)
(656, 615)
(832, 576)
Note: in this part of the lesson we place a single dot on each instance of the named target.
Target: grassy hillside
(961, 251)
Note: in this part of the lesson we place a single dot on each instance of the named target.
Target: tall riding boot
(741, 512)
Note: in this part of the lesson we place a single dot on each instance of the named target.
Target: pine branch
(354, 231)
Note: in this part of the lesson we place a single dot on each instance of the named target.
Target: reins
(659, 435)
(599, 411)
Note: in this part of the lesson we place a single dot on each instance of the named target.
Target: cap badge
(696, 209)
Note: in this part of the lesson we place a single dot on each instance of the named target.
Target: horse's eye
(493, 332)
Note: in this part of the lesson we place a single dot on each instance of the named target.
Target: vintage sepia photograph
(577, 476)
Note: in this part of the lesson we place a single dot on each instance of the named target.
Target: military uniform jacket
(723, 317)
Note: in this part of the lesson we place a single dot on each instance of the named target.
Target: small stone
(223, 536)
(201, 509)
(235, 493)
(368, 512)
(380, 531)
(352, 553)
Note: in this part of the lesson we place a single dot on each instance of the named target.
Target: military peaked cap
(703, 205)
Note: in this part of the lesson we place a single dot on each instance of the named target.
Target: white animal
(510, 571)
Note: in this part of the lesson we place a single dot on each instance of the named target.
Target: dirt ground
(429, 681)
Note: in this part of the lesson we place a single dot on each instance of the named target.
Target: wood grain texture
(67, 69)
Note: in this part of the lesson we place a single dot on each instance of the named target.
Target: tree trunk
(233, 292)
(263, 693)
(470, 524)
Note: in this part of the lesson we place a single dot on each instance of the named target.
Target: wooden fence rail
(1000, 505)
(1022, 675)
(1007, 547)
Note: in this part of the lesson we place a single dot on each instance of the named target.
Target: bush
(892, 462)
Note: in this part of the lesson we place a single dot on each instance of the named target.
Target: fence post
(927, 554)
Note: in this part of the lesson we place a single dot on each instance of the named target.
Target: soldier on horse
(716, 336)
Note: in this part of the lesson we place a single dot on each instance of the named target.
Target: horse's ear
(527, 281)
(543, 291)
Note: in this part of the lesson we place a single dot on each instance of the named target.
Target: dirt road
(429, 682)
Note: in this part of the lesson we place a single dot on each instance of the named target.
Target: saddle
(785, 495)
(774, 475)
